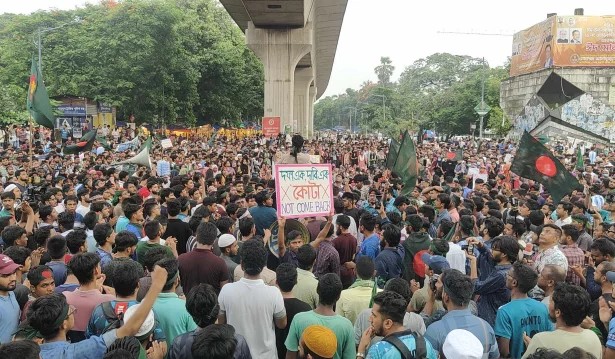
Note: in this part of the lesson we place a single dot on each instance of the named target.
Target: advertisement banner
(564, 41)
(532, 48)
(271, 126)
(304, 190)
(584, 41)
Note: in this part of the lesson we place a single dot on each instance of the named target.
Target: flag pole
(30, 139)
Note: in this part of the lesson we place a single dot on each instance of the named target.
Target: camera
(433, 281)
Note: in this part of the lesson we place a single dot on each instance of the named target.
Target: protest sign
(166, 143)
(303, 190)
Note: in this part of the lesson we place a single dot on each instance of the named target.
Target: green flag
(85, 144)
(406, 165)
(534, 161)
(38, 100)
(456, 155)
(580, 165)
(147, 143)
(392, 155)
(449, 236)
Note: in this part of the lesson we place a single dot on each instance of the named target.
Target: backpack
(418, 266)
(420, 347)
(115, 317)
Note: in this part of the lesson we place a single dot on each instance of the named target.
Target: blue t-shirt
(519, 316)
(610, 339)
(384, 350)
(9, 317)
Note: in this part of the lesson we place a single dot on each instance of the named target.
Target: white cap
(461, 344)
(148, 325)
(10, 188)
(226, 240)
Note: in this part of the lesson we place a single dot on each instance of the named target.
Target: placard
(304, 190)
(271, 126)
(166, 143)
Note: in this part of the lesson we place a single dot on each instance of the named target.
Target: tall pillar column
(280, 50)
(310, 119)
(301, 110)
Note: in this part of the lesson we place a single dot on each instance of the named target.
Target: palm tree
(384, 71)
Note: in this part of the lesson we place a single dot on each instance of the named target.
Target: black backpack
(420, 351)
(115, 320)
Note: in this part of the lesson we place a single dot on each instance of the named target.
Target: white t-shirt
(250, 307)
(456, 257)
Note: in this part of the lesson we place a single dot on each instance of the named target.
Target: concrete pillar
(310, 121)
(301, 110)
(280, 50)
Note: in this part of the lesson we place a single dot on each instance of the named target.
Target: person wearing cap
(263, 214)
(386, 320)
(455, 290)
(317, 342)
(229, 247)
(9, 308)
(522, 314)
(461, 344)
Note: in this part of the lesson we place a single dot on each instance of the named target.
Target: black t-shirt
(292, 306)
(181, 231)
(354, 213)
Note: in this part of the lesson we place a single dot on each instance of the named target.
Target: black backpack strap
(108, 311)
(400, 346)
(420, 351)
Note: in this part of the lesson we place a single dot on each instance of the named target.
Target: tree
(384, 71)
(168, 59)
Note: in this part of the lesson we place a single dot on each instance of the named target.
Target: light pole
(39, 45)
(350, 113)
(482, 108)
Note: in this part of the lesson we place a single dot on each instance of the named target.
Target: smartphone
(470, 249)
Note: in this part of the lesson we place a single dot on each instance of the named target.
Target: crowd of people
(176, 261)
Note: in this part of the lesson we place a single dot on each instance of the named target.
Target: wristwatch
(360, 355)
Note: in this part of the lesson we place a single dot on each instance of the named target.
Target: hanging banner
(304, 190)
(271, 126)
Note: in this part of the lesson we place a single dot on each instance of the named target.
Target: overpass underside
(296, 40)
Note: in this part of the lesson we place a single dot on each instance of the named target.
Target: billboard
(531, 49)
(271, 126)
(584, 41)
(564, 41)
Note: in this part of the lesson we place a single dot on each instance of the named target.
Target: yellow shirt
(355, 299)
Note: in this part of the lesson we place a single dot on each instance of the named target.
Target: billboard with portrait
(532, 48)
(584, 41)
(564, 41)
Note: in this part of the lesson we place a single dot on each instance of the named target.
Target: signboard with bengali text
(564, 41)
(304, 190)
(271, 126)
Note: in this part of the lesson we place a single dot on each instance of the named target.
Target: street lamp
(48, 29)
(350, 113)
(482, 108)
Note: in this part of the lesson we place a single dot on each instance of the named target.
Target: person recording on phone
(492, 290)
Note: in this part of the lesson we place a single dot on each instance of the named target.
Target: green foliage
(166, 59)
(438, 92)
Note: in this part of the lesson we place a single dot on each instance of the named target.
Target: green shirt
(173, 317)
(342, 327)
(144, 246)
(305, 289)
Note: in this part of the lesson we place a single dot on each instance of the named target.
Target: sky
(406, 30)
